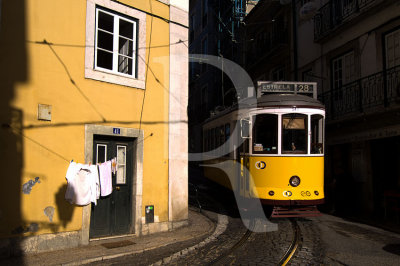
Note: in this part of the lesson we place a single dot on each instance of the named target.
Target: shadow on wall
(13, 65)
(64, 208)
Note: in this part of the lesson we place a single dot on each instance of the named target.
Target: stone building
(89, 81)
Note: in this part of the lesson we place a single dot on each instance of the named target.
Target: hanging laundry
(105, 178)
(83, 184)
(114, 165)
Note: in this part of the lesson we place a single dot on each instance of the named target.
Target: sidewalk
(101, 250)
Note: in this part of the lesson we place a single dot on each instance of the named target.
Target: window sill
(114, 78)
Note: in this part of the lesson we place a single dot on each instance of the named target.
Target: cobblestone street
(325, 240)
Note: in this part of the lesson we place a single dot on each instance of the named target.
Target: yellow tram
(276, 153)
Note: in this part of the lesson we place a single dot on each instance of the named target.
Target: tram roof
(273, 100)
(286, 100)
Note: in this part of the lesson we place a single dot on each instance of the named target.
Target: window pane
(126, 29)
(294, 133)
(104, 59)
(105, 40)
(209, 140)
(124, 65)
(101, 153)
(106, 22)
(125, 47)
(121, 175)
(221, 135)
(317, 134)
(121, 160)
(213, 139)
(217, 135)
(265, 134)
(227, 131)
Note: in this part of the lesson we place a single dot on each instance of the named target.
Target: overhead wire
(147, 71)
(45, 42)
(72, 80)
(49, 44)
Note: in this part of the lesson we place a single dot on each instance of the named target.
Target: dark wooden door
(113, 214)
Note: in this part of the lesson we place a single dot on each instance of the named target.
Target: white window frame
(392, 49)
(105, 75)
(116, 36)
(118, 181)
(97, 152)
(347, 69)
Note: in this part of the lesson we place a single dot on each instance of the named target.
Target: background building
(352, 50)
(88, 81)
(214, 30)
(355, 55)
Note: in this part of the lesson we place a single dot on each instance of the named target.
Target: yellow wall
(36, 73)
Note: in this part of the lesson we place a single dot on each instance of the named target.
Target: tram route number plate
(286, 87)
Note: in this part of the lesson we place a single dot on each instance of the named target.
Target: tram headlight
(294, 181)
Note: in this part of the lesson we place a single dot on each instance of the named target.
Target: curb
(164, 260)
(220, 228)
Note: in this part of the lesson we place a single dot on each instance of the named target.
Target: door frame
(137, 175)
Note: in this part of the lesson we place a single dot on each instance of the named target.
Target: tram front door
(245, 125)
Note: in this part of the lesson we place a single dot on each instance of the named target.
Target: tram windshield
(294, 133)
(265, 134)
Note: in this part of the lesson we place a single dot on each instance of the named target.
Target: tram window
(217, 134)
(204, 141)
(227, 135)
(294, 133)
(317, 134)
(265, 134)
(222, 135)
(227, 131)
(212, 138)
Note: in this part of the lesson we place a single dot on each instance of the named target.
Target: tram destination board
(265, 87)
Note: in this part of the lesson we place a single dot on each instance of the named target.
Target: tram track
(296, 242)
(223, 259)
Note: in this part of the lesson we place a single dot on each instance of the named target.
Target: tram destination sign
(265, 87)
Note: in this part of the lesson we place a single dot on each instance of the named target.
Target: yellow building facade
(89, 81)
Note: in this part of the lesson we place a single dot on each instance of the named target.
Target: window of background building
(307, 75)
(204, 11)
(392, 46)
(192, 28)
(278, 74)
(343, 72)
(204, 50)
(204, 97)
(115, 46)
(303, 2)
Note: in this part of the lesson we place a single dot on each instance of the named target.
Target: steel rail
(294, 245)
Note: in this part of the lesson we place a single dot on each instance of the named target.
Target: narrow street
(325, 240)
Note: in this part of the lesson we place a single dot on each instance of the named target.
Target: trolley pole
(294, 25)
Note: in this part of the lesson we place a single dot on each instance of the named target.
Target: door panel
(113, 213)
